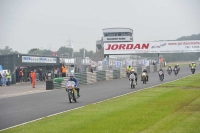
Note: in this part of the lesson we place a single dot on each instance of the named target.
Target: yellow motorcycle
(144, 78)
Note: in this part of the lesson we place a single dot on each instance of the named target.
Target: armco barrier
(151, 68)
(135, 69)
(107, 75)
(91, 77)
(148, 69)
(116, 74)
(110, 74)
(82, 78)
(101, 76)
(122, 73)
(144, 67)
(155, 68)
(158, 67)
(139, 70)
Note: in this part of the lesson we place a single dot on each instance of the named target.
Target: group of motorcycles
(176, 70)
(144, 76)
(133, 80)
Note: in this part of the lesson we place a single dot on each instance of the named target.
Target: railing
(98, 76)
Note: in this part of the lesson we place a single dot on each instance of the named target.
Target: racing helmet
(132, 70)
(71, 75)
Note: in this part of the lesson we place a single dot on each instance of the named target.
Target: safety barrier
(96, 76)
(152, 68)
(122, 72)
(91, 77)
(116, 74)
(101, 76)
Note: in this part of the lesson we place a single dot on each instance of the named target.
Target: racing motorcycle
(161, 75)
(144, 78)
(72, 91)
(193, 70)
(175, 71)
(169, 70)
(132, 81)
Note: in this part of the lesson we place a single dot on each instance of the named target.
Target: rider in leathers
(145, 71)
(133, 71)
(162, 72)
(177, 67)
(169, 68)
(72, 78)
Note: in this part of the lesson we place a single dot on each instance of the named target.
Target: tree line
(46, 52)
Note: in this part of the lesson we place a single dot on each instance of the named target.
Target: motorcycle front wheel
(70, 95)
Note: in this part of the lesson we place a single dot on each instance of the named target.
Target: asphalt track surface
(20, 109)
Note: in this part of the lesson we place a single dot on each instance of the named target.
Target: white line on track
(93, 103)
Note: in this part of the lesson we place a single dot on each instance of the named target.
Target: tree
(7, 50)
(63, 50)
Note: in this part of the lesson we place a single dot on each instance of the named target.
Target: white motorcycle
(72, 91)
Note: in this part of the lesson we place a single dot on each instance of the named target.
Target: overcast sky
(26, 24)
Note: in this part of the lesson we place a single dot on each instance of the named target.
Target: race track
(21, 109)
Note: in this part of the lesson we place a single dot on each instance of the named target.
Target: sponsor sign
(117, 63)
(34, 59)
(93, 64)
(152, 47)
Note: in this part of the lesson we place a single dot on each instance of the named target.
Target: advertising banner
(152, 47)
(34, 59)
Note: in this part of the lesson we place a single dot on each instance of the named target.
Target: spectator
(34, 78)
(0, 77)
(30, 76)
(91, 69)
(4, 78)
(40, 74)
(86, 69)
(44, 76)
(8, 77)
(17, 75)
(21, 75)
(55, 73)
(64, 71)
(58, 71)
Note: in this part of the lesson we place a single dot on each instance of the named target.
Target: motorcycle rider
(192, 65)
(128, 69)
(177, 67)
(72, 78)
(145, 71)
(169, 68)
(133, 72)
(162, 72)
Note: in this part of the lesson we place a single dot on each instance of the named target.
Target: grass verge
(169, 108)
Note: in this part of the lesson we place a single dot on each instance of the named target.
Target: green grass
(169, 108)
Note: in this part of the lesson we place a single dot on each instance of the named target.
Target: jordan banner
(152, 47)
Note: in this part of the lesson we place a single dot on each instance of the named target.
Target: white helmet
(132, 70)
(71, 75)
